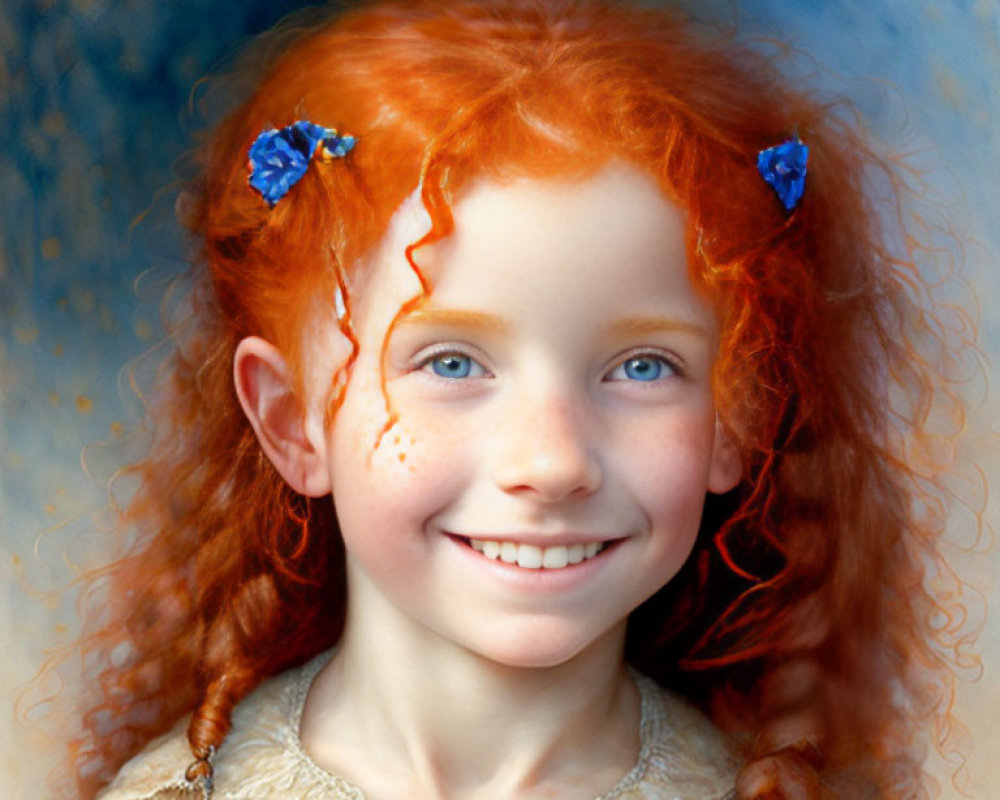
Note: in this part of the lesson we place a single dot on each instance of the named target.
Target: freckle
(84, 404)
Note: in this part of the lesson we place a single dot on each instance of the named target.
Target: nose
(546, 452)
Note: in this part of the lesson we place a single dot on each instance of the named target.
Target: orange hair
(801, 622)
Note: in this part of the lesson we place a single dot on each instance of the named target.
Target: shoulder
(684, 756)
(258, 749)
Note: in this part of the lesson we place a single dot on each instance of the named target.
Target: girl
(553, 378)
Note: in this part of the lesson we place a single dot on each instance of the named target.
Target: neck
(401, 706)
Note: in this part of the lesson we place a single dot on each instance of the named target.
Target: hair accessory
(784, 168)
(200, 773)
(280, 157)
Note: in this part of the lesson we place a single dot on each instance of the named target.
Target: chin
(543, 648)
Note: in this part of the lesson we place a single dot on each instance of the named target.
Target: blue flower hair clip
(280, 157)
(784, 168)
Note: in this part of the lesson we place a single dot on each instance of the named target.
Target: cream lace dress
(683, 757)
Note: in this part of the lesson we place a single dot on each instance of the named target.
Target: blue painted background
(92, 99)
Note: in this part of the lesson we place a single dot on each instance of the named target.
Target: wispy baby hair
(799, 619)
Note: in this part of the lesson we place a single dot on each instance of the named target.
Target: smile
(529, 556)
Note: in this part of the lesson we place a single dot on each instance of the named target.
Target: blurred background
(92, 125)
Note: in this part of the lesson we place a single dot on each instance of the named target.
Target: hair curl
(802, 621)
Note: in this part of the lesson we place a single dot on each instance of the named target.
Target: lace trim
(655, 738)
(681, 757)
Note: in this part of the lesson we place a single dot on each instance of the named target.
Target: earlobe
(291, 439)
(726, 468)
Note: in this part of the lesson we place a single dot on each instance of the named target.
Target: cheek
(669, 464)
(388, 482)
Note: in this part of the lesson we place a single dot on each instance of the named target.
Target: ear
(294, 442)
(726, 469)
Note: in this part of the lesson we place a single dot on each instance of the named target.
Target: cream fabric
(683, 757)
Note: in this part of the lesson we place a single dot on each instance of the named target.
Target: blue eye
(642, 368)
(455, 365)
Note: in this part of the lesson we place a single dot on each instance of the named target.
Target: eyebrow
(455, 318)
(639, 326)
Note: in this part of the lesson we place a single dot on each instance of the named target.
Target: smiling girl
(573, 391)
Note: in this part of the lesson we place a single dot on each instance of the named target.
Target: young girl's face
(551, 398)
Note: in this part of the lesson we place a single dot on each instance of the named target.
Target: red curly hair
(802, 622)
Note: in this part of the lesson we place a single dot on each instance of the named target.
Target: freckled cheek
(386, 495)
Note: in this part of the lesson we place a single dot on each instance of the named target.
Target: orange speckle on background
(57, 350)
(84, 404)
(143, 329)
(117, 429)
(26, 335)
(51, 248)
(106, 318)
(50, 509)
(53, 124)
(54, 398)
(61, 627)
(84, 300)
(402, 456)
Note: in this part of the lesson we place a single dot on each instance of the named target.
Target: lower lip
(538, 579)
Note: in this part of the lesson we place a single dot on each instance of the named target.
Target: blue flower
(338, 146)
(279, 158)
(784, 168)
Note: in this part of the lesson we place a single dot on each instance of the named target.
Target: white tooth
(575, 553)
(529, 556)
(491, 549)
(476, 544)
(555, 557)
(508, 552)
(591, 549)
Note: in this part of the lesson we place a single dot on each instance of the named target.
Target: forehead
(617, 213)
(606, 247)
(540, 243)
